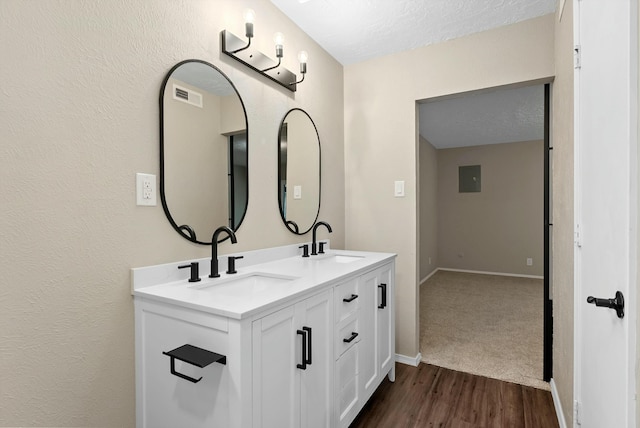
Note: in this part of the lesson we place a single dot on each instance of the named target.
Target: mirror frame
(291, 225)
(185, 231)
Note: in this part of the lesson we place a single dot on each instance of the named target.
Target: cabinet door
(368, 364)
(276, 383)
(317, 380)
(287, 392)
(385, 324)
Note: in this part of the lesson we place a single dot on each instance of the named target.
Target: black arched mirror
(203, 151)
(298, 171)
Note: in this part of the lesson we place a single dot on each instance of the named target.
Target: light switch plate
(297, 192)
(146, 189)
(399, 189)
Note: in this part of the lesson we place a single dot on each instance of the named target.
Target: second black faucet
(314, 242)
(214, 248)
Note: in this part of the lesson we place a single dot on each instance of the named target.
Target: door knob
(616, 303)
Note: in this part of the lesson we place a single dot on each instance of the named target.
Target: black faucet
(214, 248)
(315, 228)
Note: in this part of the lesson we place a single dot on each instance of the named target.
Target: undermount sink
(249, 283)
(339, 258)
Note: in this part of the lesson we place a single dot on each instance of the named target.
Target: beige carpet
(484, 324)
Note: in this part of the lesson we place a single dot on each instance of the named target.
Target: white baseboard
(518, 275)
(410, 361)
(557, 404)
(433, 272)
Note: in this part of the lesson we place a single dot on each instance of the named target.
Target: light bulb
(278, 39)
(303, 56)
(249, 16)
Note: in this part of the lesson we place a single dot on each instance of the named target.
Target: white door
(292, 361)
(316, 380)
(384, 324)
(606, 185)
(276, 382)
(368, 340)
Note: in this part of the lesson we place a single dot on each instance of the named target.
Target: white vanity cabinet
(292, 365)
(307, 352)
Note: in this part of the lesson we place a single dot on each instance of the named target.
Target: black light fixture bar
(233, 46)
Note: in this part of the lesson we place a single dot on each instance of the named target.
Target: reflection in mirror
(298, 171)
(203, 151)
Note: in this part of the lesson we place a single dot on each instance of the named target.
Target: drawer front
(347, 387)
(348, 334)
(347, 299)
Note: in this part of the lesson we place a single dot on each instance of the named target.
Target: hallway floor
(487, 325)
(431, 396)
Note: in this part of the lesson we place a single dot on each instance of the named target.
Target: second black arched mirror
(298, 171)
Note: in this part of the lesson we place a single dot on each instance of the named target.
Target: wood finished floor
(431, 396)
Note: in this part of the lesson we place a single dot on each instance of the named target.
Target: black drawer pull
(383, 304)
(350, 339)
(309, 352)
(303, 333)
(350, 299)
(193, 355)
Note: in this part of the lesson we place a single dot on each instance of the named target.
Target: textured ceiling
(501, 116)
(356, 30)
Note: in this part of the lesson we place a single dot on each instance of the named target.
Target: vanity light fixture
(249, 19)
(303, 56)
(243, 52)
(278, 39)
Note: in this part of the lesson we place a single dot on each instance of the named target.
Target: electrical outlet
(529, 261)
(146, 189)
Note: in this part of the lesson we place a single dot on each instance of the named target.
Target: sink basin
(339, 258)
(245, 284)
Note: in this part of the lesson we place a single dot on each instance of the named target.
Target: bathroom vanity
(287, 341)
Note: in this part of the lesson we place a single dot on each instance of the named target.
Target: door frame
(547, 317)
(546, 220)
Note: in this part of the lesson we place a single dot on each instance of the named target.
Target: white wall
(500, 227)
(78, 118)
(381, 136)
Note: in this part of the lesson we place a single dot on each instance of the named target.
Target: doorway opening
(485, 305)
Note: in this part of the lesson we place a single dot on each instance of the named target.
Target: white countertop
(261, 286)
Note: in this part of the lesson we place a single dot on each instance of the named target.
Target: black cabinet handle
(350, 299)
(617, 303)
(384, 296)
(303, 333)
(350, 339)
(309, 340)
